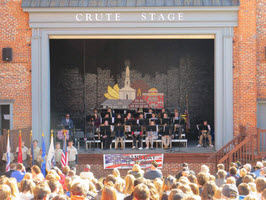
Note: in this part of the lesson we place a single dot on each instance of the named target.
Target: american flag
(64, 157)
(8, 153)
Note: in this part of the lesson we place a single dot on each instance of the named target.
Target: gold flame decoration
(113, 93)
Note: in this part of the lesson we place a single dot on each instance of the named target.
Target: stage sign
(126, 161)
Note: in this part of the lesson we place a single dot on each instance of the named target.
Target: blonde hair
(252, 187)
(116, 172)
(194, 188)
(208, 190)
(153, 192)
(185, 189)
(5, 192)
(204, 168)
(243, 172)
(159, 186)
(250, 197)
(12, 183)
(231, 180)
(28, 176)
(218, 193)
(108, 193)
(136, 168)
(129, 181)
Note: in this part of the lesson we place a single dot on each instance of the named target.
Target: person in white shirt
(72, 153)
(87, 174)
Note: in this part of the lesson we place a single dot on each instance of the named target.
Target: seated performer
(205, 130)
(152, 134)
(96, 120)
(119, 119)
(166, 137)
(137, 134)
(119, 135)
(105, 131)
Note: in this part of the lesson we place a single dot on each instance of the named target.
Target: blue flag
(43, 156)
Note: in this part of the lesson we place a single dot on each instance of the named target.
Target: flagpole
(7, 153)
(32, 152)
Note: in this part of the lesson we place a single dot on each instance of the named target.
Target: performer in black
(137, 134)
(119, 136)
(105, 131)
(205, 130)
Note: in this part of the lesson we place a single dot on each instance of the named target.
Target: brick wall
(172, 164)
(15, 76)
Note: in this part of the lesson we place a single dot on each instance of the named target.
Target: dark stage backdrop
(176, 68)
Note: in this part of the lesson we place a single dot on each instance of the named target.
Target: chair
(78, 136)
(90, 135)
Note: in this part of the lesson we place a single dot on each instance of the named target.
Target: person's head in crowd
(202, 178)
(232, 164)
(65, 170)
(77, 189)
(20, 167)
(153, 192)
(27, 186)
(192, 178)
(243, 189)
(242, 172)
(5, 192)
(251, 197)
(263, 172)
(231, 180)
(204, 169)
(50, 177)
(173, 193)
(35, 143)
(154, 165)
(238, 165)
(158, 183)
(92, 187)
(116, 172)
(194, 188)
(141, 192)
(218, 194)
(208, 190)
(109, 193)
(259, 165)
(28, 176)
(252, 187)
(12, 183)
(87, 168)
(220, 167)
(229, 191)
(41, 192)
(70, 143)
(111, 178)
(168, 182)
(233, 171)
(183, 180)
(221, 174)
(212, 178)
(129, 184)
(35, 170)
(263, 195)
(61, 197)
(176, 185)
(247, 167)
(13, 166)
(74, 169)
(71, 173)
(99, 186)
(185, 172)
(248, 179)
(57, 145)
(136, 168)
(185, 189)
(54, 186)
(260, 184)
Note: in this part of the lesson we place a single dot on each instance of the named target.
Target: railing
(14, 138)
(243, 152)
(227, 148)
(261, 142)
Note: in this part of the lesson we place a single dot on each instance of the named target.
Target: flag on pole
(43, 155)
(50, 161)
(20, 149)
(32, 152)
(64, 157)
(8, 153)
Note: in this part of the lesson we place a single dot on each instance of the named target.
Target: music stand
(166, 121)
(107, 119)
(148, 115)
(119, 120)
(144, 122)
(156, 121)
(131, 122)
(151, 128)
(136, 128)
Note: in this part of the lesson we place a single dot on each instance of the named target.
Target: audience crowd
(240, 182)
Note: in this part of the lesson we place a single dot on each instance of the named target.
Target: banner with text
(126, 161)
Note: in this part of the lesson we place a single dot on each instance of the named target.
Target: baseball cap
(230, 191)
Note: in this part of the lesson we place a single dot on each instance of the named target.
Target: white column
(228, 83)
(218, 92)
(36, 78)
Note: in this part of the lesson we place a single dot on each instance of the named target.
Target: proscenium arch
(61, 24)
